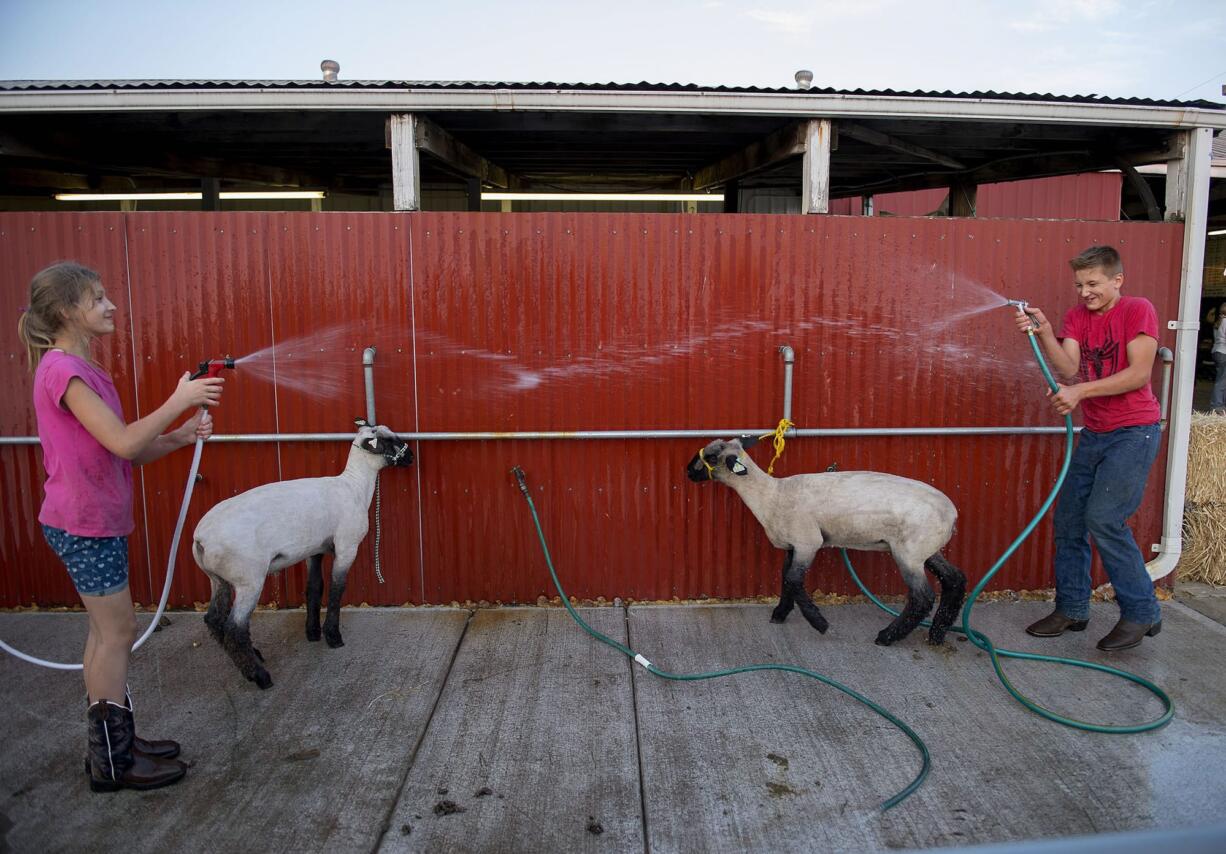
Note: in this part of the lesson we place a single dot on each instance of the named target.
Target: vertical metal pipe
(368, 367)
(1167, 359)
(789, 358)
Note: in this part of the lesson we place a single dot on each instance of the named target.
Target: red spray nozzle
(212, 367)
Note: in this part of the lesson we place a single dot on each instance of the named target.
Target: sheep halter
(780, 431)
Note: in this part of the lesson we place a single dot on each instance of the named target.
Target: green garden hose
(982, 641)
(714, 674)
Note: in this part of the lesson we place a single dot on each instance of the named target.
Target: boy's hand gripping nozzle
(1021, 305)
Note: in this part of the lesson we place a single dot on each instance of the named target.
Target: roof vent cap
(330, 68)
(804, 78)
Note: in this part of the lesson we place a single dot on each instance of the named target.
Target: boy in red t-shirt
(1105, 350)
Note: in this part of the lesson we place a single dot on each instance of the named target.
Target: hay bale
(1207, 460)
(1204, 511)
(1204, 544)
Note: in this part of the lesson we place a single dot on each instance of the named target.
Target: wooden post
(210, 194)
(963, 196)
(732, 192)
(472, 187)
(406, 167)
(815, 189)
(1177, 171)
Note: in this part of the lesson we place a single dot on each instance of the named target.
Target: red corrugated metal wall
(1091, 196)
(491, 322)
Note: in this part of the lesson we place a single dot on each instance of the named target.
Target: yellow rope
(784, 424)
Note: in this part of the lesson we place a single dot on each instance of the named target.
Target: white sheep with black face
(860, 510)
(244, 539)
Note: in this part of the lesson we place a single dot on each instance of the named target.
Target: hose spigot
(519, 476)
(212, 367)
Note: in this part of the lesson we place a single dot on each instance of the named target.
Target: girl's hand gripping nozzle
(211, 368)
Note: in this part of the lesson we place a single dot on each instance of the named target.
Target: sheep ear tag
(738, 467)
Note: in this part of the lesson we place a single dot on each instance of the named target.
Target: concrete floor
(512, 730)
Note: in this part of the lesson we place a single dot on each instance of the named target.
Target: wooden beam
(815, 174)
(160, 163)
(884, 140)
(782, 144)
(42, 179)
(406, 167)
(433, 139)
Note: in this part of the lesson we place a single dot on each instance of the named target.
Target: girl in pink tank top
(88, 453)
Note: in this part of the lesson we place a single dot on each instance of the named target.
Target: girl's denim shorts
(98, 566)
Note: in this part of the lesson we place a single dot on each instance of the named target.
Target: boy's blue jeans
(1105, 482)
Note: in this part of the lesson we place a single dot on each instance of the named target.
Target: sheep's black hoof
(334, 639)
(263, 679)
(885, 638)
(780, 614)
(935, 637)
(313, 634)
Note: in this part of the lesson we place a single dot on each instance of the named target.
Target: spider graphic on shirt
(1097, 358)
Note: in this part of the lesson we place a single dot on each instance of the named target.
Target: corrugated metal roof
(642, 86)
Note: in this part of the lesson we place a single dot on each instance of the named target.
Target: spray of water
(974, 298)
(325, 365)
(321, 365)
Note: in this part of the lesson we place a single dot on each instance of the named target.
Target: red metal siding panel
(1090, 196)
(593, 321)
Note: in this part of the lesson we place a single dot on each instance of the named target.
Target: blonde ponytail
(53, 293)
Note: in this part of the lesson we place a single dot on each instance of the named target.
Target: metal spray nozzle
(1021, 305)
(212, 367)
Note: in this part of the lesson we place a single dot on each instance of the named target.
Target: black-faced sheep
(853, 510)
(243, 539)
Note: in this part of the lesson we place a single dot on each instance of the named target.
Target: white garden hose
(170, 574)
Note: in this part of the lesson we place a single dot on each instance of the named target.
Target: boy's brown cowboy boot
(113, 764)
(1054, 625)
(1128, 634)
